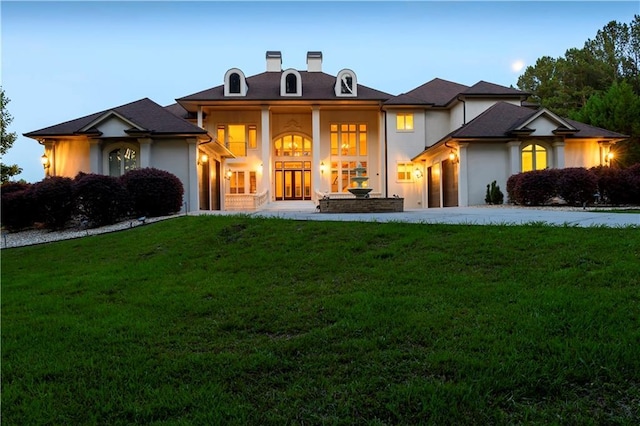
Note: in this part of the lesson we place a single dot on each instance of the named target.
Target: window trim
(354, 81)
(283, 83)
(109, 148)
(227, 83)
(358, 132)
(533, 145)
(404, 121)
(409, 167)
(248, 129)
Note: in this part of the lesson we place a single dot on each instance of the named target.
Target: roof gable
(143, 115)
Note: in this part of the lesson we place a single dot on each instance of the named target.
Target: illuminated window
(341, 174)
(348, 140)
(253, 187)
(238, 138)
(236, 183)
(121, 160)
(404, 122)
(405, 172)
(292, 146)
(534, 157)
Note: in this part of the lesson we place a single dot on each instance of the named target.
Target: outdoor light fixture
(228, 175)
(45, 161)
(322, 167)
(610, 156)
(453, 155)
(417, 173)
(203, 159)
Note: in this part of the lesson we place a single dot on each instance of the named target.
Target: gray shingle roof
(145, 113)
(482, 88)
(266, 86)
(436, 92)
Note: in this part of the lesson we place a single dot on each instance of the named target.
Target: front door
(293, 180)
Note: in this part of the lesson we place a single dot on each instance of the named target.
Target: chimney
(274, 61)
(314, 61)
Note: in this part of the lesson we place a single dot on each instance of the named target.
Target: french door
(293, 180)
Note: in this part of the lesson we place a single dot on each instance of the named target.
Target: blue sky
(64, 60)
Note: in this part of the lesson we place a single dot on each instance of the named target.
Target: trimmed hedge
(54, 201)
(533, 188)
(153, 192)
(100, 199)
(576, 185)
(17, 206)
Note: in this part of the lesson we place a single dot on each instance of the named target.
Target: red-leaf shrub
(153, 192)
(613, 186)
(632, 176)
(512, 184)
(100, 199)
(53, 198)
(576, 185)
(536, 187)
(17, 206)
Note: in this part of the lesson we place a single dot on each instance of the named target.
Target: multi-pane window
(234, 83)
(404, 121)
(405, 172)
(121, 160)
(238, 137)
(292, 146)
(342, 173)
(534, 157)
(253, 184)
(349, 140)
(236, 182)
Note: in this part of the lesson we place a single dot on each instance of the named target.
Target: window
(238, 137)
(236, 183)
(405, 172)
(121, 160)
(349, 140)
(534, 157)
(234, 83)
(346, 84)
(253, 186)
(341, 174)
(404, 121)
(291, 83)
(292, 146)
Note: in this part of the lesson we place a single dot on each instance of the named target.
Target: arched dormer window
(235, 83)
(346, 84)
(291, 83)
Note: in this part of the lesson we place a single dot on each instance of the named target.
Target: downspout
(464, 110)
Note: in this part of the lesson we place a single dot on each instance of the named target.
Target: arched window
(534, 157)
(291, 83)
(234, 83)
(121, 160)
(346, 84)
(292, 146)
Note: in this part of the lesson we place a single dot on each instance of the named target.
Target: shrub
(17, 206)
(494, 195)
(536, 187)
(612, 185)
(53, 197)
(576, 185)
(153, 192)
(100, 199)
(632, 176)
(512, 184)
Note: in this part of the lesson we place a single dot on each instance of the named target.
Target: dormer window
(235, 83)
(291, 83)
(346, 84)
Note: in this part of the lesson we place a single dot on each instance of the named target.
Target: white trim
(106, 116)
(354, 83)
(551, 115)
(243, 83)
(108, 148)
(283, 83)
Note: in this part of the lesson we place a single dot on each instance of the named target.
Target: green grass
(237, 320)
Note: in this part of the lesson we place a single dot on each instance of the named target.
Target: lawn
(238, 320)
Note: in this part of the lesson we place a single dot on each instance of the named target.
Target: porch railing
(245, 201)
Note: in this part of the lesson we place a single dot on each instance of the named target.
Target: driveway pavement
(504, 215)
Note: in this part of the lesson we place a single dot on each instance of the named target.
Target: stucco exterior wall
(113, 127)
(486, 163)
(438, 125)
(581, 153)
(542, 126)
(172, 155)
(70, 156)
(456, 116)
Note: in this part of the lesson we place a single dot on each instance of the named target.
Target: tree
(6, 139)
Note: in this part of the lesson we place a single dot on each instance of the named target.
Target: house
(288, 134)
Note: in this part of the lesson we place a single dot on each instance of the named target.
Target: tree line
(598, 84)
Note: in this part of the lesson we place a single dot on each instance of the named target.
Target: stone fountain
(359, 191)
(362, 203)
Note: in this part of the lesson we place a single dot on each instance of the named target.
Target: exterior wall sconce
(453, 155)
(322, 167)
(203, 159)
(44, 160)
(609, 157)
(228, 175)
(417, 173)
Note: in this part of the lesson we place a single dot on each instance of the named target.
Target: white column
(145, 152)
(191, 191)
(200, 117)
(95, 157)
(382, 166)
(265, 140)
(558, 155)
(514, 157)
(463, 180)
(316, 177)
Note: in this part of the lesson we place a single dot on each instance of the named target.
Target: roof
(144, 113)
(266, 86)
(483, 88)
(436, 92)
